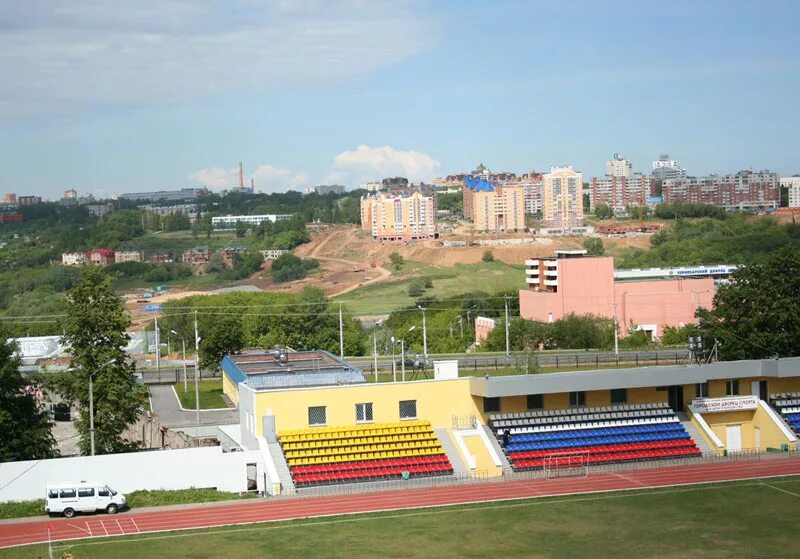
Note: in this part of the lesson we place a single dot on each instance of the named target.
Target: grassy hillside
(490, 277)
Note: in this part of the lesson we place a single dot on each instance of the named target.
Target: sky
(137, 95)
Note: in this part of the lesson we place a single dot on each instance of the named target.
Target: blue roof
(478, 184)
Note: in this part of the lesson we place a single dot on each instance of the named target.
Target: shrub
(488, 256)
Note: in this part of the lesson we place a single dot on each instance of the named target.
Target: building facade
(562, 198)
(121, 256)
(618, 166)
(100, 256)
(574, 283)
(228, 222)
(493, 206)
(742, 191)
(197, 255)
(399, 217)
(73, 258)
(666, 168)
(29, 200)
(187, 194)
(99, 210)
(620, 192)
(793, 186)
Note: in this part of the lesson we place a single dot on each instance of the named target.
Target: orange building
(574, 283)
(492, 207)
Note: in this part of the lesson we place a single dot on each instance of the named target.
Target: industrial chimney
(241, 175)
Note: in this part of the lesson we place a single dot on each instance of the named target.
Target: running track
(93, 526)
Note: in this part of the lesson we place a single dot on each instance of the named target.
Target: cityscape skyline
(358, 92)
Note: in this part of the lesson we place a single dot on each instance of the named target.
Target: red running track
(130, 523)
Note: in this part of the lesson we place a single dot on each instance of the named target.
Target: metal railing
(372, 486)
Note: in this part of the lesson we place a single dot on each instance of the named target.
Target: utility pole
(341, 333)
(424, 334)
(508, 352)
(196, 381)
(616, 329)
(158, 348)
(375, 352)
(403, 359)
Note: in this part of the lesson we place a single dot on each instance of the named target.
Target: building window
(619, 395)
(408, 409)
(535, 401)
(317, 415)
(577, 399)
(364, 413)
(732, 387)
(491, 405)
(701, 390)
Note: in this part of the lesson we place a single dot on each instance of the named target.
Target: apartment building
(492, 206)
(742, 191)
(100, 256)
(666, 168)
(189, 194)
(793, 185)
(401, 216)
(618, 166)
(619, 192)
(562, 198)
(29, 200)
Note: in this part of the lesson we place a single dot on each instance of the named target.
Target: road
(165, 404)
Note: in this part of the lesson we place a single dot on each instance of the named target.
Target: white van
(84, 496)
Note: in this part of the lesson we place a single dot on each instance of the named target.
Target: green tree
(594, 246)
(397, 261)
(220, 337)
(94, 329)
(603, 211)
(241, 229)
(756, 315)
(488, 256)
(25, 427)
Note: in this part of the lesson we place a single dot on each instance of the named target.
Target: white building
(793, 184)
(372, 186)
(73, 258)
(229, 221)
(666, 168)
(273, 253)
(128, 256)
(619, 166)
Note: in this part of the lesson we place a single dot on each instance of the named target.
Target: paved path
(136, 522)
(166, 406)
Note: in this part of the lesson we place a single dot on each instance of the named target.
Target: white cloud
(268, 178)
(62, 55)
(368, 163)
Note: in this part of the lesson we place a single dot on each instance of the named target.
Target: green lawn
(490, 277)
(210, 395)
(739, 519)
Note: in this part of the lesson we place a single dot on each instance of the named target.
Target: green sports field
(739, 519)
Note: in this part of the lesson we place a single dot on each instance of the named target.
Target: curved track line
(25, 533)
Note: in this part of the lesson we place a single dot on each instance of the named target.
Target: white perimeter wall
(161, 469)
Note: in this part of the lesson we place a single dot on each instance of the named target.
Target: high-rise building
(399, 217)
(618, 166)
(742, 191)
(666, 168)
(793, 185)
(493, 207)
(562, 198)
(619, 192)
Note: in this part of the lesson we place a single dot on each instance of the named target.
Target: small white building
(128, 256)
(273, 253)
(229, 221)
(73, 258)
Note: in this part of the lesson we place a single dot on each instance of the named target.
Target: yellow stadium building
(318, 421)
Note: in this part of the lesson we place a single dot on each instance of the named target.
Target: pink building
(483, 326)
(574, 283)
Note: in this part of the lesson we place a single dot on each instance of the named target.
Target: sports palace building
(317, 420)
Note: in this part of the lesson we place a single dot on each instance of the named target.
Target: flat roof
(639, 377)
(287, 369)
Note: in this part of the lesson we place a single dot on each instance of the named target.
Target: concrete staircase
(451, 451)
(278, 459)
(694, 432)
(497, 448)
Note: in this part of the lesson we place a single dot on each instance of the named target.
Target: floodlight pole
(341, 333)
(196, 381)
(424, 334)
(403, 359)
(375, 353)
(158, 348)
(508, 352)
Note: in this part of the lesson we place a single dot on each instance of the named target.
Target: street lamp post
(403, 359)
(394, 363)
(183, 344)
(424, 334)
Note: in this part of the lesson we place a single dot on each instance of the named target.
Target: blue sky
(109, 97)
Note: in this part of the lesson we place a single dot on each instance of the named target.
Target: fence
(171, 376)
(479, 476)
(532, 363)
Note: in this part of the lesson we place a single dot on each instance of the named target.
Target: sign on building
(730, 403)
